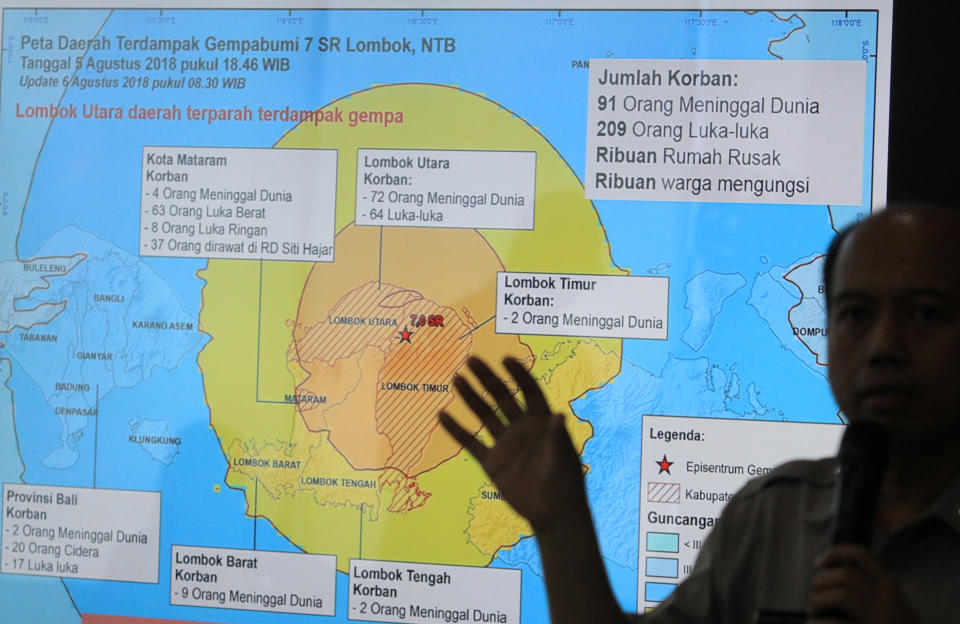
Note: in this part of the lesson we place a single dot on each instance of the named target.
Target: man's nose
(886, 341)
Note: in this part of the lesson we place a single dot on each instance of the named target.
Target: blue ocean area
(741, 370)
(728, 351)
(28, 135)
(52, 602)
(196, 508)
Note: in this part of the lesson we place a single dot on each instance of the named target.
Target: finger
(835, 604)
(850, 580)
(851, 555)
(842, 590)
(828, 578)
(532, 392)
(461, 435)
(498, 390)
(479, 407)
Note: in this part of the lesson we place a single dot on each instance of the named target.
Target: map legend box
(663, 542)
(709, 459)
(663, 492)
(657, 592)
(659, 566)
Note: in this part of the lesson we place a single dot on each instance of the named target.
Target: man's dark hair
(834, 249)
(831, 259)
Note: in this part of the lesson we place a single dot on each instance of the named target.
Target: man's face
(894, 324)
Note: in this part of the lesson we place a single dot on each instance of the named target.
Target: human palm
(532, 461)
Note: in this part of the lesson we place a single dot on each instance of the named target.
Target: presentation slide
(245, 248)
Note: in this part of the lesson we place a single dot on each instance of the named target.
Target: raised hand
(532, 461)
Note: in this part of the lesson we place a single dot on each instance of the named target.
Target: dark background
(923, 115)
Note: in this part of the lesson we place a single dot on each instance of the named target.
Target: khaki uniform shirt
(761, 553)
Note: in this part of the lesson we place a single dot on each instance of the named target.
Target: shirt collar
(947, 507)
(822, 507)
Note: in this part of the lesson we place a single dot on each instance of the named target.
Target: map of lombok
(356, 356)
(204, 325)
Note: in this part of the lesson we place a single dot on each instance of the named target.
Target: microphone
(861, 461)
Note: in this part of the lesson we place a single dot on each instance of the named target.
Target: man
(893, 304)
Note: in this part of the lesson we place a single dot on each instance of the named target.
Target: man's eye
(927, 313)
(851, 313)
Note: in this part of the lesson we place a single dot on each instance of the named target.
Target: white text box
(599, 306)
(446, 188)
(110, 535)
(254, 580)
(239, 203)
(707, 460)
(392, 591)
(786, 132)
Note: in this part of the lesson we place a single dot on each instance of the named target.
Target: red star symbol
(405, 334)
(664, 465)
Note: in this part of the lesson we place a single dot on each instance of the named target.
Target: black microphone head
(865, 445)
(861, 460)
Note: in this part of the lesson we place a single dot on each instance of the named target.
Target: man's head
(893, 300)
